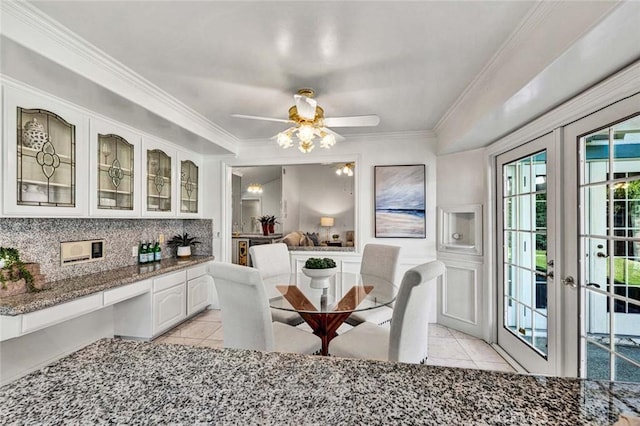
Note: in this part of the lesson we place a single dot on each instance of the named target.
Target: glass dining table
(327, 308)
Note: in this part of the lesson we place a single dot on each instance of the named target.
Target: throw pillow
(313, 236)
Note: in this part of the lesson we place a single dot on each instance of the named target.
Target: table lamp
(326, 222)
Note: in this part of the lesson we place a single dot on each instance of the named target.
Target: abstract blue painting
(400, 201)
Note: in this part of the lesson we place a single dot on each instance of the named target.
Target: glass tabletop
(342, 292)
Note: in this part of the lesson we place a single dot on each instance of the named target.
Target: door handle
(570, 281)
(593, 285)
(601, 254)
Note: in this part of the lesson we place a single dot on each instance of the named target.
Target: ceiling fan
(310, 122)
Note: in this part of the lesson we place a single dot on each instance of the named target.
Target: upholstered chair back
(409, 323)
(380, 260)
(271, 259)
(244, 305)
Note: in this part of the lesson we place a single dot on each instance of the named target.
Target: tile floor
(447, 347)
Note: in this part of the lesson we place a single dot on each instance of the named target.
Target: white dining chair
(272, 260)
(246, 318)
(379, 261)
(407, 339)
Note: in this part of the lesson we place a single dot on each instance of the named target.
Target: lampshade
(326, 221)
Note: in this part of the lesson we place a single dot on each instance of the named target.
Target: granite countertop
(257, 236)
(126, 382)
(73, 288)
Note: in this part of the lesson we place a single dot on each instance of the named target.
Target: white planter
(319, 277)
(184, 251)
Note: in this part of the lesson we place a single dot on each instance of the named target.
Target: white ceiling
(411, 63)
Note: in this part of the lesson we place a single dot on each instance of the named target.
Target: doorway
(568, 248)
(607, 153)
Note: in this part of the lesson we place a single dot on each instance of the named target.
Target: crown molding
(516, 41)
(28, 26)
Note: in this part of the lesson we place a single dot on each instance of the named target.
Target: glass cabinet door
(46, 159)
(115, 173)
(158, 181)
(188, 187)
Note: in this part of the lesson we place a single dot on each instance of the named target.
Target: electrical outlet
(161, 238)
(134, 251)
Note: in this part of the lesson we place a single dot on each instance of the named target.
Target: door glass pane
(525, 212)
(158, 181)
(46, 159)
(188, 187)
(115, 173)
(611, 262)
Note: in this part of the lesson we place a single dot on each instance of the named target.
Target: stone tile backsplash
(38, 240)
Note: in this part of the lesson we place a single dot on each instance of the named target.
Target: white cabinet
(169, 308)
(169, 300)
(159, 187)
(44, 156)
(115, 161)
(199, 293)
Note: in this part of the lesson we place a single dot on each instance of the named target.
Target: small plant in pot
(319, 270)
(13, 270)
(182, 244)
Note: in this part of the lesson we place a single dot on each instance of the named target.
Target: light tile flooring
(447, 347)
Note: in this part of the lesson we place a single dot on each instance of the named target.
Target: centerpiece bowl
(319, 277)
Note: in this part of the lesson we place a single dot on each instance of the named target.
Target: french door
(526, 235)
(603, 150)
(568, 233)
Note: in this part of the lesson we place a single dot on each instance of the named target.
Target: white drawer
(119, 294)
(55, 314)
(167, 281)
(197, 271)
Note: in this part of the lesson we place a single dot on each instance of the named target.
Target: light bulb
(284, 140)
(339, 172)
(305, 132)
(328, 141)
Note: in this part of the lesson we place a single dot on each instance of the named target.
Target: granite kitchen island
(126, 382)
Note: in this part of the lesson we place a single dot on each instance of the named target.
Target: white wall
(463, 303)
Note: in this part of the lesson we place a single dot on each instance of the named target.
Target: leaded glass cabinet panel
(115, 173)
(158, 181)
(46, 159)
(188, 187)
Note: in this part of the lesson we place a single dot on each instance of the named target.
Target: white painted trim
(30, 27)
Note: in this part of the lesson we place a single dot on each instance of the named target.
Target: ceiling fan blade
(353, 121)
(331, 132)
(290, 129)
(306, 106)
(256, 117)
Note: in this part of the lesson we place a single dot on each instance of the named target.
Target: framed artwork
(400, 201)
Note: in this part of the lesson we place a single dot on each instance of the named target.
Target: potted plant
(272, 224)
(182, 244)
(319, 270)
(15, 276)
(264, 221)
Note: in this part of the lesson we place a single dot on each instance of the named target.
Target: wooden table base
(325, 324)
